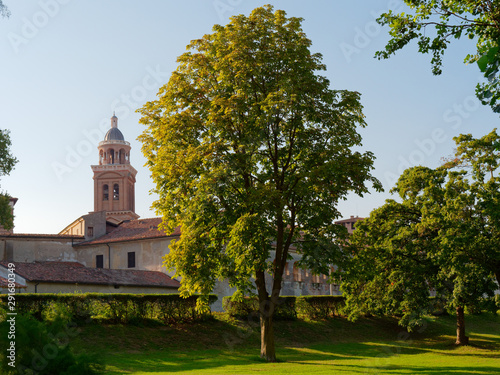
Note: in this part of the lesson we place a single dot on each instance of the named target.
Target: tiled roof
(133, 230)
(352, 218)
(77, 273)
(4, 283)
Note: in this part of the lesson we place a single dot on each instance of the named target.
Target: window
(116, 192)
(297, 273)
(105, 193)
(99, 261)
(131, 259)
(90, 231)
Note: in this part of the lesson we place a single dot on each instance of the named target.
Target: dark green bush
(319, 307)
(437, 306)
(249, 306)
(43, 349)
(111, 308)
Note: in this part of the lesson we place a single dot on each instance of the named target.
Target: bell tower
(114, 177)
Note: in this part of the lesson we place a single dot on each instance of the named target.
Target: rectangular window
(99, 261)
(90, 231)
(105, 192)
(131, 259)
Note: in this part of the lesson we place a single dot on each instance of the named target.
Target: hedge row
(112, 308)
(289, 307)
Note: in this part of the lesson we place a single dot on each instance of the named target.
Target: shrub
(112, 308)
(250, 306)
(43, 349)
(320, 307)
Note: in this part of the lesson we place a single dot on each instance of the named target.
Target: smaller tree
(403, 251)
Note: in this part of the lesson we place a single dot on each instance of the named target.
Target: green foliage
(113, 308)
(289, 307)
(250, 307)
(479, 20)
(7, 162)
(43, 349)
(320, 307)
(251, 151)
(442, 236)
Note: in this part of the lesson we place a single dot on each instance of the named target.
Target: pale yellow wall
(148, 254)
(88, 288)
(76, 228)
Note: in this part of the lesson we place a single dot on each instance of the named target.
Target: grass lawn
(369, 346)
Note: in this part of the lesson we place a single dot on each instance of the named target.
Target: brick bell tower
(114, 177)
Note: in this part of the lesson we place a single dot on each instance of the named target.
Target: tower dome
(114, 134)
(114, 149)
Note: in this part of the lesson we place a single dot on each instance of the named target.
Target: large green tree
(428, 242)
(434, 24)
(251, 151)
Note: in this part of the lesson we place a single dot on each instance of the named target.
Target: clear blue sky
(66, 65)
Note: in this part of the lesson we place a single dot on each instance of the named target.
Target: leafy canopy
(250, 151)
(434, 24)
(443, 236)
(7, 163)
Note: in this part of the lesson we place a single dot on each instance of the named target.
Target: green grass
(369, 346)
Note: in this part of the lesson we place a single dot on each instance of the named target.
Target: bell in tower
(114, 177)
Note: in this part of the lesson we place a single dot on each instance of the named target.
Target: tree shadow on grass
(434, 370)
(351, 358)
(336, 347)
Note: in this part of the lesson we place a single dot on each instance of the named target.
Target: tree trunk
(497, 273)
(266, 308)
(461, 338)
(267, 348)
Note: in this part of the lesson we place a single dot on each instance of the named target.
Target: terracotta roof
(352, 218)
(48, 236)
(133, 230)
(4, 283)
(77, 273)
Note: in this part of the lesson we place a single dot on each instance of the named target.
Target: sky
(67, 65)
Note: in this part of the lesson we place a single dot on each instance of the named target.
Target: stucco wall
(148, 254)
(36, 249)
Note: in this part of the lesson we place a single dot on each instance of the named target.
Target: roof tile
(133, 230)
(77, 273)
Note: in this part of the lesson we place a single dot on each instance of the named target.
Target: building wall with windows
(144, 254)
